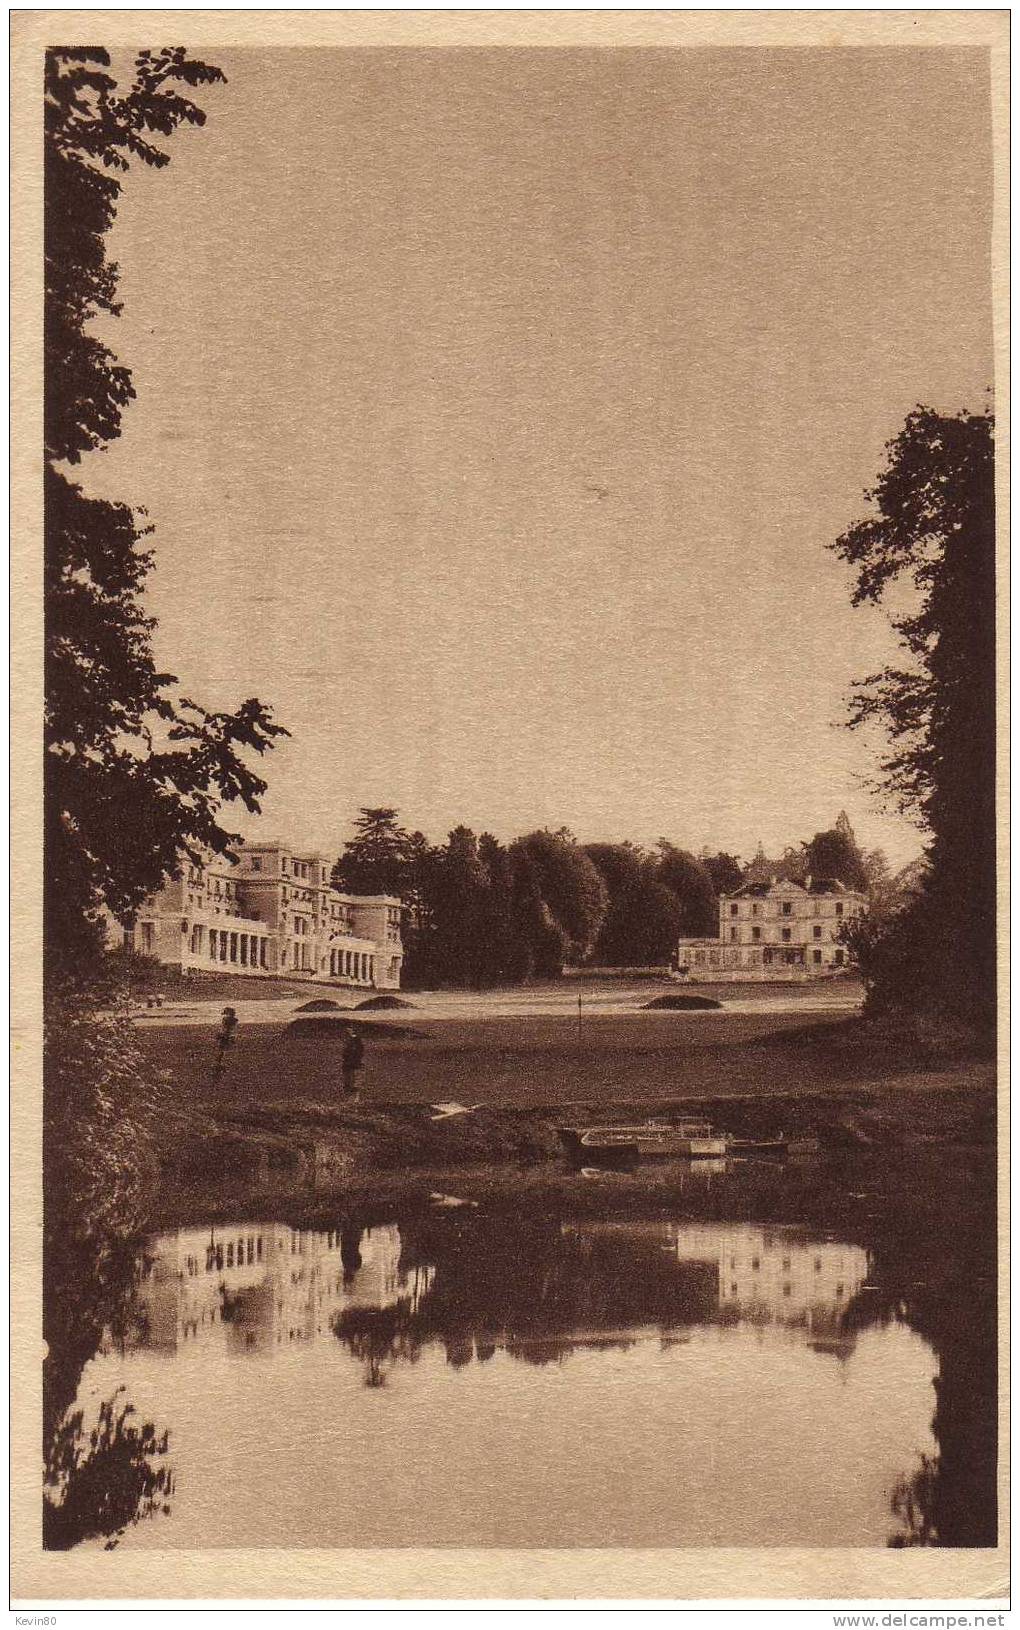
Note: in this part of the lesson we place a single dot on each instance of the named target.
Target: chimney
(807, 882)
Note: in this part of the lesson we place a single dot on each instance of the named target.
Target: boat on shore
(646, 1140)
(781, 1146)
(627, 1143)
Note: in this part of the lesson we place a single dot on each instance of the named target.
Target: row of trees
(480, 913)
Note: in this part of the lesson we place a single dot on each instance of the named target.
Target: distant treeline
(479, 913)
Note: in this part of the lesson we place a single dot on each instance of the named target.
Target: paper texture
(265, 1575)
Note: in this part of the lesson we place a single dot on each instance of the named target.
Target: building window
(787, 908)
(839, 908)
(256, 863)
(817, 933)
(787, 933)
(755, 910)
(733, 933)
(838, 959)
(756, 934)
(733, 910)
(816, 956)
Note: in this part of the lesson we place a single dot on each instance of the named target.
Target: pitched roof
(781, 885)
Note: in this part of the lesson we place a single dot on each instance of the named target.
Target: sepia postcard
(509, 865)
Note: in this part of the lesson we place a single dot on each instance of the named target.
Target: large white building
(776, 929)
(272, 911)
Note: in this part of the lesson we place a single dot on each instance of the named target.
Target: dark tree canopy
(135, 774)
(932, 531)
(642, 922)
(378, 859)
(574, 894)
(688, 879)
(834, 854)
(725, 871)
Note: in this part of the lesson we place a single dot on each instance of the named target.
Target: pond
(478, 1377)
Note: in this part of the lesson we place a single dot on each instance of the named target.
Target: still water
(462, 1380)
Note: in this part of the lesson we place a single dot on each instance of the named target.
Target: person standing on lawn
(352, 1060)
(224, 1039)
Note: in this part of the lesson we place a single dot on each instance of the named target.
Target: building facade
(272, 911)
(776, 929)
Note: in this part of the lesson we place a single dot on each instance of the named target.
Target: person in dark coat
(225, 1037)
(352, 1060)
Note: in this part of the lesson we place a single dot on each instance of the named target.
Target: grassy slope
(229, 987)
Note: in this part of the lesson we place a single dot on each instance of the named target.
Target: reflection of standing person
(352, 1059)
(350, 1251)
(224, 1038)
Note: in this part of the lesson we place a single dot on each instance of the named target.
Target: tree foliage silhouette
(379, 857)
(833, 855)
(134, 773)
(642, 922)
(932, 533)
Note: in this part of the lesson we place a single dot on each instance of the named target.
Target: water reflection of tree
(934, 1261)
(914, 1500)
(102, 1480)
(380, 1337)
(928, 1219)
(99, 1167)
(530, 1289)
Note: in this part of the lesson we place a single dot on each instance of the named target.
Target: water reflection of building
(763, 1275)
(265, 1285)
(771, 1276)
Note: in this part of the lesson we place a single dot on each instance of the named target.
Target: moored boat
(647, 1140)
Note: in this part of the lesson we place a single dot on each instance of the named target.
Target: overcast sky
(495, 410)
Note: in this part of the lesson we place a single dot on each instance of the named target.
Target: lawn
(528, 1060)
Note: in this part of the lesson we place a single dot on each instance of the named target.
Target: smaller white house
(776, 930)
